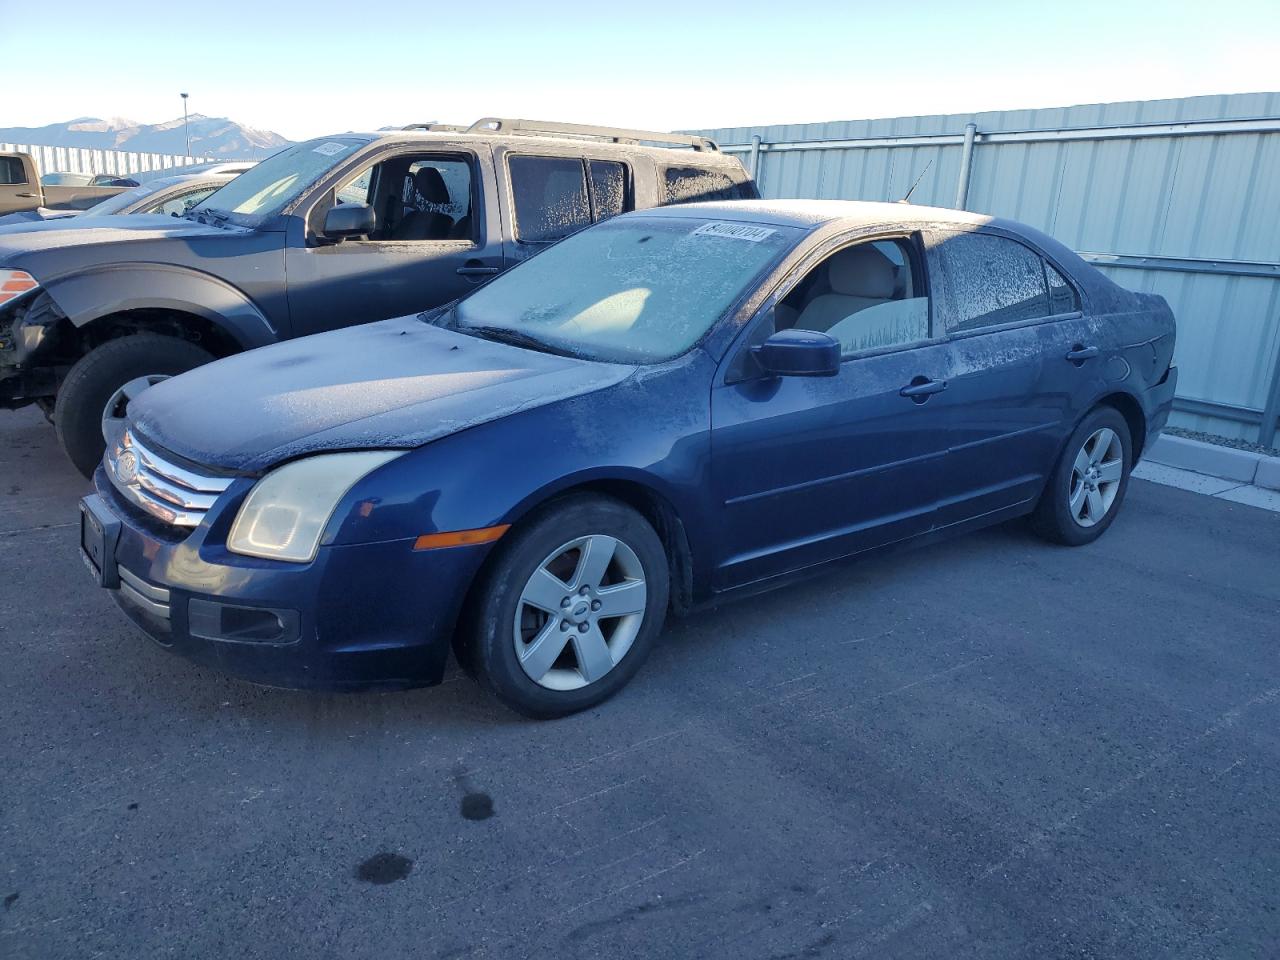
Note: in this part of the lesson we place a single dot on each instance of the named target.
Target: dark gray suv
(327, 233)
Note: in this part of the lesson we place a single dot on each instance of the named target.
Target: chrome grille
(163, 489)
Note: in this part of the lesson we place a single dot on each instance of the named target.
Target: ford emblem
(127, 467)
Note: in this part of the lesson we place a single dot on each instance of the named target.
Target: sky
(306, 69)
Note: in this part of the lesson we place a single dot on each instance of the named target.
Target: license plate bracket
(99, 533)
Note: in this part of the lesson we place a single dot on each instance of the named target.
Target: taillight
(14, 283)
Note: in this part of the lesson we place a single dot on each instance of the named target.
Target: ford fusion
(666, 408)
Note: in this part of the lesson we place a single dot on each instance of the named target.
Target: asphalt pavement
(990, 748)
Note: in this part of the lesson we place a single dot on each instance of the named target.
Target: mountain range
(210, 136)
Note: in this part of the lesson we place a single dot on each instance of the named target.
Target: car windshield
(120, 201)
(265, 188)
(630, 290)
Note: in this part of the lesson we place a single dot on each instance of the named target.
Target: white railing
(85, 160)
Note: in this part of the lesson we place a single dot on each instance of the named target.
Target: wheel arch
(1127, 405)
(647, 500)
(152, 291)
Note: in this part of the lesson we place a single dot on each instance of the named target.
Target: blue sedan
(667, 408)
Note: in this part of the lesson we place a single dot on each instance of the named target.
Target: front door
(432, 243)
(811, 469)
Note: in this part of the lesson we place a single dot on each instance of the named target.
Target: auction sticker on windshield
(332, 149)
(734, 231)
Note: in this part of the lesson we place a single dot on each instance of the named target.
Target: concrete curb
(1242, 466)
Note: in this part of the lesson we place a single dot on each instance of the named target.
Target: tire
(598, 653)
(1084, 493)
(77, 413)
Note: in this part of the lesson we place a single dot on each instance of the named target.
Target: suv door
(425, 251)
(1013, 394)
(15, 192)
(811, 469)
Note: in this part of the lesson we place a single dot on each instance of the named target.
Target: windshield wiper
(517, 338)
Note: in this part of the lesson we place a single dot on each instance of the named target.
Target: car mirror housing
(348, 220)
(799, 353)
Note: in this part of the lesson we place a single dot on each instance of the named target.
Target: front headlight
(14, 283)
(285, 514)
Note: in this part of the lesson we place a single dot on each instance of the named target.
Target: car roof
(811, 213)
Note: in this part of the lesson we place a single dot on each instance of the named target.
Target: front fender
(91, 294)
(652, 435)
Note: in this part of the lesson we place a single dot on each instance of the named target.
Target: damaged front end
(33, 358)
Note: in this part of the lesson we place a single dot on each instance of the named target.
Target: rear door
(399, 269)
(1012, 392)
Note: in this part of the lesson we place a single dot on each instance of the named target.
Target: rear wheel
(1088, 485)
(569, 608)
(96, 377)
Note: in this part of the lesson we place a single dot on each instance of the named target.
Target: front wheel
(1088, 484)
(95, 378)
(569, 608)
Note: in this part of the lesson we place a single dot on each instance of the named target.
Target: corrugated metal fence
(84, 160)
(1176, 197)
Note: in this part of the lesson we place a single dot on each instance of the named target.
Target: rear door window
(550, 197)
(1062, 296)
(983, 280)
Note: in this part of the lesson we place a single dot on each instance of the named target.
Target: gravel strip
(1222, 441)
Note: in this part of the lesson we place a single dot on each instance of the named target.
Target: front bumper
(358, 616)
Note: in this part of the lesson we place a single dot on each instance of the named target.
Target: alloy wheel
(579, 613)
(1095, 476)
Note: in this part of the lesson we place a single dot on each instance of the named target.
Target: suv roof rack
(614, 134)
(446, 127)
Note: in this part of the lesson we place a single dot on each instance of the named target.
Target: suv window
(550, 196)
(982, 280)
(868, 296)
(414, 197)
(557, 196)
(608, 188)
(691, 184)
(11, 170)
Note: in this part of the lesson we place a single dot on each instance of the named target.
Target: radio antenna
(907, 198)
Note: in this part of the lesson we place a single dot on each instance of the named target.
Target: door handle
(30, 196)
(1080, 353)
(921, 389)
(474, 268)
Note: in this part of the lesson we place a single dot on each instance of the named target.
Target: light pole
(185, 128)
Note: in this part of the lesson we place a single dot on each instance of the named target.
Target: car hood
(394, 384)
(64, 232)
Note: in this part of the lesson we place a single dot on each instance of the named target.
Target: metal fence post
(753, 165)
(966, 162)
(1270, 413)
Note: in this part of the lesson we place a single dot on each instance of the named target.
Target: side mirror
(348, 220)
(799, 353)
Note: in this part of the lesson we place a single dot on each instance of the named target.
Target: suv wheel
(96, 377)
(569, 609)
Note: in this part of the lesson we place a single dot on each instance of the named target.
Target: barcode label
(734, 231)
